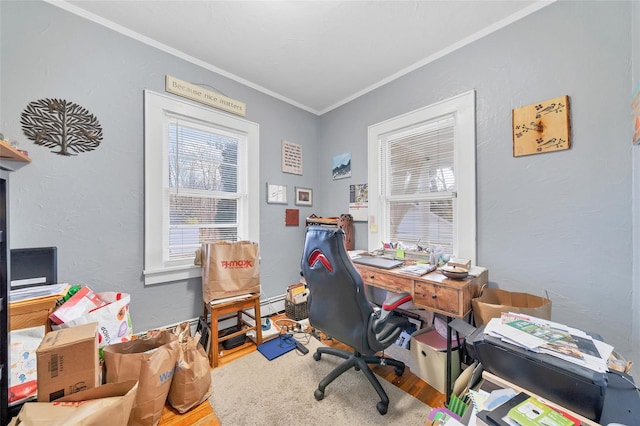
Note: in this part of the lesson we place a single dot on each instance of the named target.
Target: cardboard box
(459, 262)
(494, 301)
(108, 404)
(68, 362)
(429, 358)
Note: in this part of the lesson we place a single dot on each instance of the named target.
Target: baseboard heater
(269, 306)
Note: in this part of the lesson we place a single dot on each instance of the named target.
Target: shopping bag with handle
(229, 269)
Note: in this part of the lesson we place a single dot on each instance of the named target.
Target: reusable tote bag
(229, 269)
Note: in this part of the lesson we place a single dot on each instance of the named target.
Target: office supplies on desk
(378, 262)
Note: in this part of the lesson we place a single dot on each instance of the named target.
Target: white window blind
(422, 182)
(418, 183)
(202, 188)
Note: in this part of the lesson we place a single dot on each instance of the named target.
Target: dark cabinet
(4, 296)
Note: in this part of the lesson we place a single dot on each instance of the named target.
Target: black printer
(602, 397)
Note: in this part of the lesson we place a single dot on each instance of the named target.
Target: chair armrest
(392, 302)
(389, 305)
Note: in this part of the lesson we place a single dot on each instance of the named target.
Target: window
(201, 184)
(422, 178)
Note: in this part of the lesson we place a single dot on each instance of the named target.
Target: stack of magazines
(542, 336)
(418, 269)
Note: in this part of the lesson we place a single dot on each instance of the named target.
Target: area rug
(254, 391)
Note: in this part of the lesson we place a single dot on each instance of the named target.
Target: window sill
(176, 273)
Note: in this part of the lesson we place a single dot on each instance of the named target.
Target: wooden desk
(433, 292)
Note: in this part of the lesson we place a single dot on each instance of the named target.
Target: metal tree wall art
(57, 123)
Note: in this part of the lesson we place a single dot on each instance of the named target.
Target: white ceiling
(316, 55)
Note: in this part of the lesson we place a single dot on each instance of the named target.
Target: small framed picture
(304, 196)
(292, 217)
(276, 194)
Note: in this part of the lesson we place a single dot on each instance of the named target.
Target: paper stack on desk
(30, 293)
(542, 336)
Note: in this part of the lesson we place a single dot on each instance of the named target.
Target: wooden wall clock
(542, 127)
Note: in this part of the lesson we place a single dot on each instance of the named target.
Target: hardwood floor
(204, 414)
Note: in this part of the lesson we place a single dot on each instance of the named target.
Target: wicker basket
(296, 311)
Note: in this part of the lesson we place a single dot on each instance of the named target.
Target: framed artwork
(304, 196)
(341, 166)
(291, 158)
(542, 127)
(276, 194)
(292, 217)
(359, 201)
(635, 114)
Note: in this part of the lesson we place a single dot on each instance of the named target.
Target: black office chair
(338, 306)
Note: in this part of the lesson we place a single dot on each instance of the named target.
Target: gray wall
(558, 222)
(635, 48)
(91, 206)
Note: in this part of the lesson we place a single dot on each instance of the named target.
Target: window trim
(464, 109)
(156, 107)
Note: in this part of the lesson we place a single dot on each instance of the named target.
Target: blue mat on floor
(276, 347)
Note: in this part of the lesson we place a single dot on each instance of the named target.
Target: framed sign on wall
(291, 158)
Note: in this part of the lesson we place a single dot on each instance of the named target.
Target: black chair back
(338, 305)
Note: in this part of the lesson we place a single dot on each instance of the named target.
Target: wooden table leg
(215, 354)
(258, 320)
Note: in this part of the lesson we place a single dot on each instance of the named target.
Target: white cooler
(429, 358)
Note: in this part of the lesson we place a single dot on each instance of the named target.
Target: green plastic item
(73, 290)
(457, 406)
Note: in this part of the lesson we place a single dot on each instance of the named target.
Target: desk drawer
(437, 297)
(386, 280)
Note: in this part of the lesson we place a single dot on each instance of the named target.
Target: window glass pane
(203, 167)
(202, 211)
(202, 159)
(197, 220)
(429, 223)
(420, 182)
(421, 161)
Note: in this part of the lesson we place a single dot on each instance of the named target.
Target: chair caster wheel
(318, 394)
(381, 406)
(399, 371)
(317, 356)
(355, 367)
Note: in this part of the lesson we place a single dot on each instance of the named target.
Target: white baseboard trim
(272, 305)
(268, 306)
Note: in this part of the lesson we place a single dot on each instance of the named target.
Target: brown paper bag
(108, 404)
(191, 384)
(151, 361)
(229, 269)
(494, 301)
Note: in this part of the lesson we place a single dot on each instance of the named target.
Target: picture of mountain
(341, 166)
